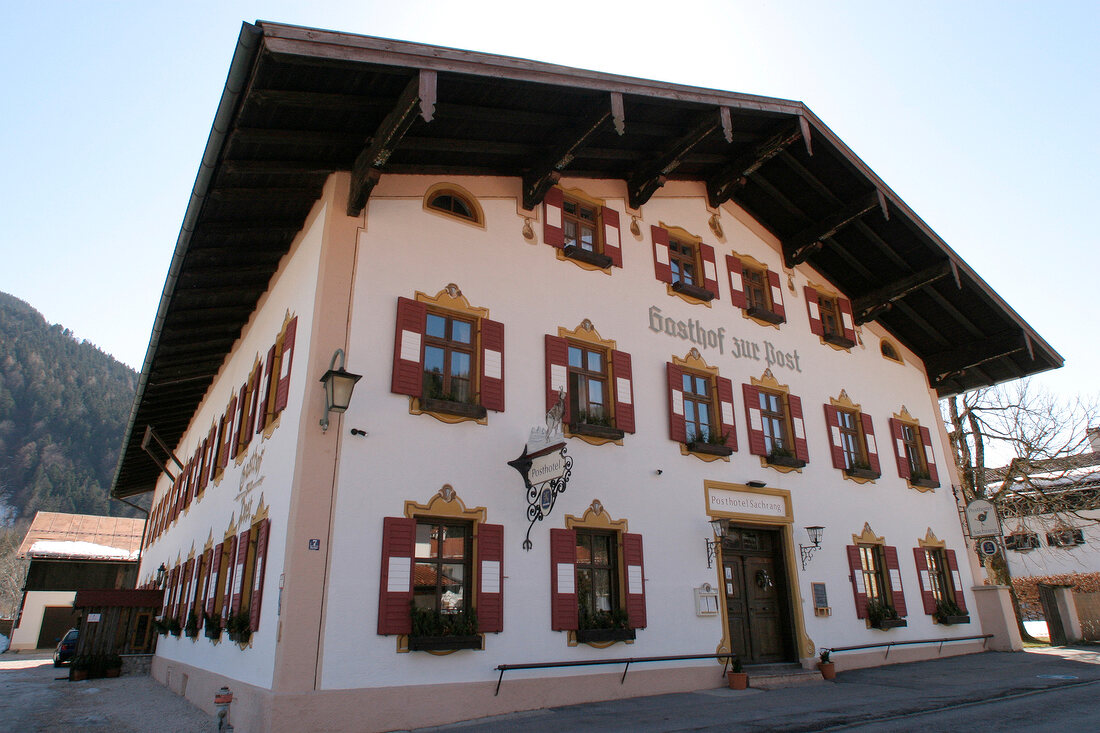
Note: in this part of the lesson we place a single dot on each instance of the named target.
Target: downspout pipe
(248, 45)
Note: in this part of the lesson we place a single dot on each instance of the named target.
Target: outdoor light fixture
(756, 484)
(162, 575)
(809, 550)
(720, 527)
(338, 387)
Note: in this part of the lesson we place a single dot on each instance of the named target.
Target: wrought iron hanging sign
(545, 467)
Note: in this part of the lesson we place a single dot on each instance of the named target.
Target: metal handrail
(888, 644)
(502, 668)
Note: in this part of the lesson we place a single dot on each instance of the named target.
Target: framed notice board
(821, 600)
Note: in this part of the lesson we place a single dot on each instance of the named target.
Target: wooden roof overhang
(301, 103)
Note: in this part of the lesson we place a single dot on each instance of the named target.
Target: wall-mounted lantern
(720, 527)
(809, 550)
(338, 387)
(162, 575)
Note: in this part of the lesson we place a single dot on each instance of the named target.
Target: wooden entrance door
(756, 595)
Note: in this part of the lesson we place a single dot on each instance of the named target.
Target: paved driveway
(32, 698)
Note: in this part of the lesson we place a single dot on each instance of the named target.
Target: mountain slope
(63, 408)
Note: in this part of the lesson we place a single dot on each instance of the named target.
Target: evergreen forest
(64, 404)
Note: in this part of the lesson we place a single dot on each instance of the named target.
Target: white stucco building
(731, 316)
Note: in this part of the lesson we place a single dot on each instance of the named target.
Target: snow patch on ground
(68, 548)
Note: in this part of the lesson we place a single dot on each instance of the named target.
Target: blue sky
(980, 115)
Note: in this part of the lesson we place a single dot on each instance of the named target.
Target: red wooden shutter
(211, 451)
(677, 424)
(286, 361)
(258, 571)
(188, 486)
(832, 424)
(956, 579)
(737, 283)
(553, 232)
(193, 592)
(929, 456)
(635, 580)
(256, 380)
(186, 580)
(265, 400)
(176, 497)
(230, 571)
(710, 269)
(899, 448)
(859, 590)
(196, 469)
(871, 443)
(612, 244)
(241, 415)
(724, 388)
(754, 419)
(492, 365)
(814, 310)
(846, 319)
(396, 593)
(239, 567)
(662, 267)
(894, 568)
(563, 580)
(777, 295)
(212, 586)
(798, 425)
(557, 373)
(490, 578)
(227, 434)
(926, 597)
(408, 348)
(170, 594)
(623, 390)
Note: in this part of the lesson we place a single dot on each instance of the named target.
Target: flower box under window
(444, 643)
(693, 290)
(574, 252)
(886, 624)
(839, 340)
(586, 636)
(450, 407)
(764, 314)
(857, 472)
(785, 460)
(952, 620)
(712, 449)
(924, 483)
(596, 431)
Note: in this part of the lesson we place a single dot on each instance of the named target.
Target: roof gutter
(248, 45)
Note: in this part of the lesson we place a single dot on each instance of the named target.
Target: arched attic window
(455, 201)
(889, 351)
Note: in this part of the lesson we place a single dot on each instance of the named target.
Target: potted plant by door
(80, 668)
(433, 631)
(828, 668)
(737, 676)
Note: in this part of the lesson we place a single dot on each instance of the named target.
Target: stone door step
(777, 676)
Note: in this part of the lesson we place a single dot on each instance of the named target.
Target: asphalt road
(1036, 690)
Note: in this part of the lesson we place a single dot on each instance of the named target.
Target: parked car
(66, 648)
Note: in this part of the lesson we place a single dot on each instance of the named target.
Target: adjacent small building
(68, 553)
(643, 370)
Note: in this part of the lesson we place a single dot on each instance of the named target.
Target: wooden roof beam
(797, 249)
(866, 306)
(653, 174)
(946, 364)
(721, 186)
(542, 176)
(418, 97)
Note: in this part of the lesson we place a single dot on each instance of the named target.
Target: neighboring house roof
(301, 103)
(1051, 486)
(55, 535)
